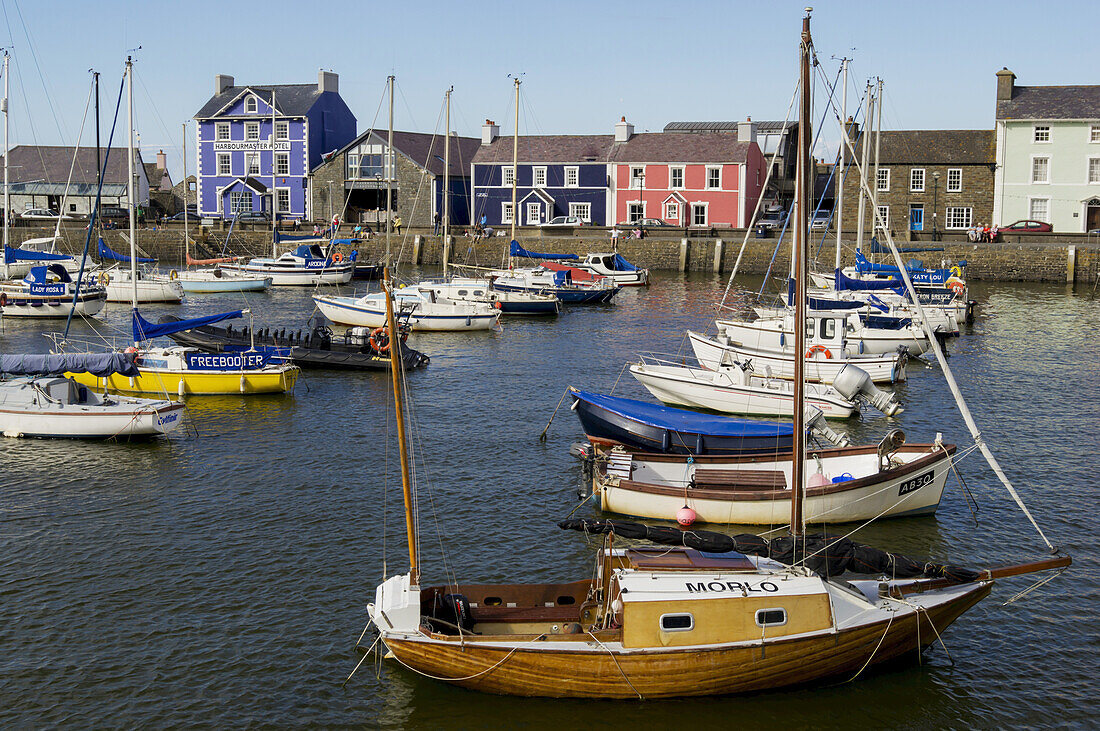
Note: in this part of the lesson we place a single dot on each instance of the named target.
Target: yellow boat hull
(200, 383)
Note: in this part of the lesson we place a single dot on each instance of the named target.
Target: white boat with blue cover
(40, 402)
(605, 264)
(49, 292)
(306, 265)
(418, 306)
(18, 260)
(216, 280)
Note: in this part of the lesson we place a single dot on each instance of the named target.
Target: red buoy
(685, 516)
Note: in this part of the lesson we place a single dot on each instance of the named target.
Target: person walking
(436, 220)
(397, 225)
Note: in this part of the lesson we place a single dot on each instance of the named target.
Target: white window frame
(221, 131)
(1034, 160)
(352, 165)
(507, 175)
(706, 213)
(506, 212)
(882, 180)
(278, 206)
(282, 130)
(239, 196)
(707, 182)
(282, 163)
(885, 226)
(227, 158)
(689, 628)
(533, 209)
(1090, 178)
(250, 157)
(251, 131)
(953, 215)
(572, 176)
(672, 170)
(637, 176)
(916, 180)
(1031, 200)
(672, 211)
(1094, 133)
(1041, 134)
(633, 207)
(251, 104)
(538, 177)
(581, 210)
(957, 173)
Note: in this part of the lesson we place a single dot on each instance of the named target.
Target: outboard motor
(852, 382)
(816, 424)
(454, 609)
(890, 443)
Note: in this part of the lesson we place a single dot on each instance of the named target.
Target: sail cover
(98, 364)
(822, 554)
(844, 282)
(516, 250)
(13, 255)
(280, 237)
(622, 265)
(145, 330)
(688, 422)
(106, 253)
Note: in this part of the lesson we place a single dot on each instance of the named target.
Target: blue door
(916, 217)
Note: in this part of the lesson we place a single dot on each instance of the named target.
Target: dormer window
(251, 105)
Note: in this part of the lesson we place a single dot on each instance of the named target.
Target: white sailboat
(49, 292)
(418, 306)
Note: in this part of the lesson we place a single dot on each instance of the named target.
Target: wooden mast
(396, 373)
(801, 234)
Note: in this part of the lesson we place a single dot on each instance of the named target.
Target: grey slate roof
(426, 150)
(50, 164)
(935, 147)
(547, 148)
(1051, 102)
(292, 100)
(766, 126)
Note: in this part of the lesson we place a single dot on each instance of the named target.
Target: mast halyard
(801, 235)
(387, 161)
(274, 193)
(446, 194)
(7, 154)
(396, 372)
(515, 172)
(130, 182)
(186, 248)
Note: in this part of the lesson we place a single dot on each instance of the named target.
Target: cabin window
(566, 600)
(771, 617)
(462, 293)
(493, 601)
(479, 293)
(677, 622)
(828, 328)
(811, 323)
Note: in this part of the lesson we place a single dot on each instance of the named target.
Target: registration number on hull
(916, 483)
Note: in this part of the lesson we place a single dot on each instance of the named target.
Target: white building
(1048, 155)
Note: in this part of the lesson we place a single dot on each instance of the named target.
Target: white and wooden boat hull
(148, 290)
(33, 306)
(209, 284)
(771, 334)
(128, 418)
(436, 318)
(282, 276)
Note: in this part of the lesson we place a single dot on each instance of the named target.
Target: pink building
(706, 180)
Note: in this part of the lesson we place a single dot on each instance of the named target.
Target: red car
(1027, 227)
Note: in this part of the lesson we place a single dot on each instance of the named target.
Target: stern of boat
(396, 607)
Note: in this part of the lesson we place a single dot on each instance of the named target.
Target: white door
(534, 214)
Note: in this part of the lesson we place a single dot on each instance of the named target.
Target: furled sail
(516, 250)
(98, 364)
(105, 252)
(13, 255)
(145, 330)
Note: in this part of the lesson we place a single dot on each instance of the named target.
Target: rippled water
(220, 577)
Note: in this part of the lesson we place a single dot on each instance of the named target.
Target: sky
(583, 65)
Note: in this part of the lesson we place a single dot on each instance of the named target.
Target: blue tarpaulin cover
(687, 422)
(40, 275)
(294, 237)
(106, 253)
(844, 282)
(145, 330)
(12, 255)
(916, 270)
(516, 250)
(622, 265)
(98, 364)
(310, 251)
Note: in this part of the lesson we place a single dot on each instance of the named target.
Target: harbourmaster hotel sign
(250, 146)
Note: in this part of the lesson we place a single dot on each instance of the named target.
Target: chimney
(852, 128)
(624, 130)
(328, 81)
(222, 82)
(162, 160)
(1005, 82)
(489, 132)
(746, 131)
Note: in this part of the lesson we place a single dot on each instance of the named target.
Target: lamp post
(935, 209)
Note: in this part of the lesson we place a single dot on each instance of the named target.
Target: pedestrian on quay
(335, 223)
(435, 221)
(397, 225)
(316, 229)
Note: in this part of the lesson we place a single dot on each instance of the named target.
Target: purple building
(244, 167)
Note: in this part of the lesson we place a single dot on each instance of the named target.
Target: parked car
(113, 213)
(1027, 227)
(192, 215)
(564, 221)
(646, 223)
(253, 217)
(821, 220)
(42, 214)
(773, 218)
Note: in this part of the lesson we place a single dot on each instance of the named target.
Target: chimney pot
(489, 132)
(328, 81)
(222, 82)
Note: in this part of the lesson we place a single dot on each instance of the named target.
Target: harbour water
(220, 577)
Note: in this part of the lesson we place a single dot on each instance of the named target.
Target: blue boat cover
(622, 265)
(145, 330)
(98, 364)
(292, 237)
(12, 255)
(916, 270)
(106, 253)
(844, 282)
(886, 322)
(515, 249)
(309, 251)
(680, 420)
(40, 274)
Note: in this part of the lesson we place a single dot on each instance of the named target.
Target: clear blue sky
(584, 63)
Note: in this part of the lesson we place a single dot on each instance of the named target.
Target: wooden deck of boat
(554, 670)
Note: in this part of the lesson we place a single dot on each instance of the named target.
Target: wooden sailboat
(705, 614)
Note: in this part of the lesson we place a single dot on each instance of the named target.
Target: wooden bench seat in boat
(739, 480)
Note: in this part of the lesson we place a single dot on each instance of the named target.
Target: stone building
(929, 182)
(40, 178)
(352, 182)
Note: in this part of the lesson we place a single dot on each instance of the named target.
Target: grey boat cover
(40, 364)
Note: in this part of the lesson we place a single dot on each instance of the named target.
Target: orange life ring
(338, 257)
(379, 341)
(819, 349)
(498, 305)
(957, 287)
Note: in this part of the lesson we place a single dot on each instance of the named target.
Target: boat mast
(98, 162)
(878, 147)
(396, 373)
(130, 181)
(185, 189)
(274, 195)
(7, 154)
(866, 134)
(801, 235)
(387, 161)
(447, 184)
(840, 178)
(515, 173)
